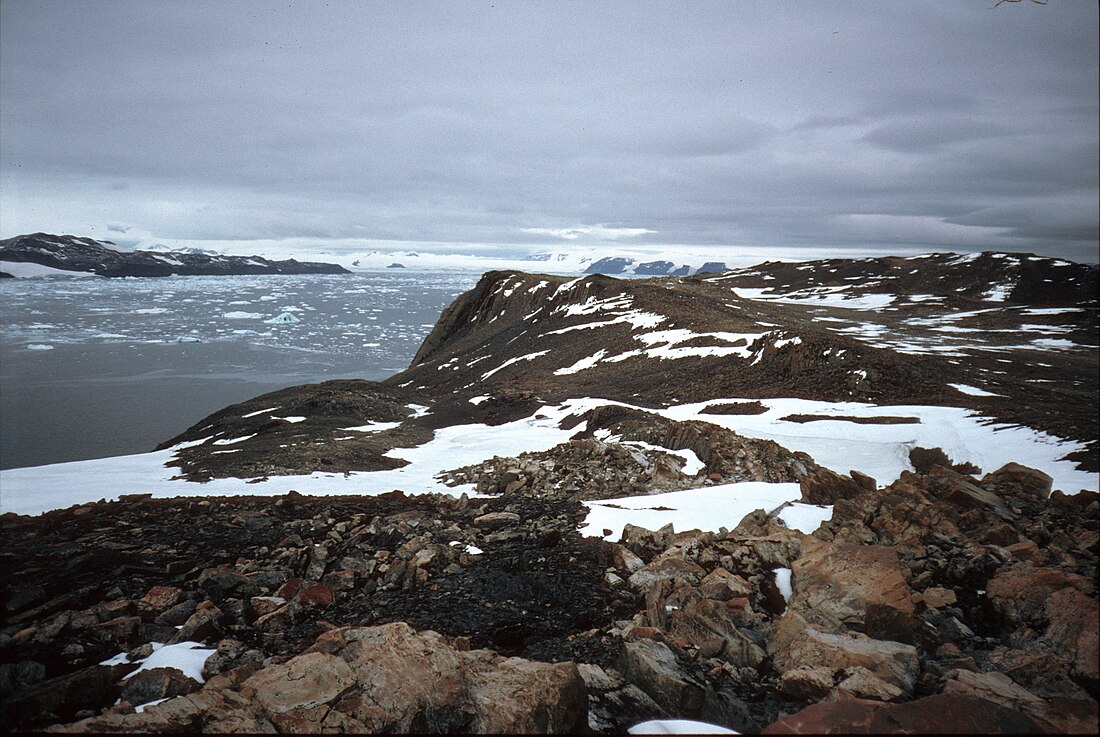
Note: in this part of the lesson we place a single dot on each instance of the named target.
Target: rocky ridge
(70, 253)
(953, 598)
(939, 589)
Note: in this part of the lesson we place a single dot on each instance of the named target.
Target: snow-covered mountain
(41, 254)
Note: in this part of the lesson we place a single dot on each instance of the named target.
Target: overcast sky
(948, 124)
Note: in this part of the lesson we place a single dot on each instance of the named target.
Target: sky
(526, 126)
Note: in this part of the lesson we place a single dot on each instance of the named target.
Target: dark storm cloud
(945, 124)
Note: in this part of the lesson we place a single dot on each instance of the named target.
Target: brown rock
(516, 696)
(938, 598)
(652, 666)
(290, 588)
(1012, 477)
(721, 585)
(160, 598)
(305, 681)
(264, 605)
(202, 625)
(825, 487)
(670, 569)
(1072, 632)
(806, 683)
(862, 587)
(316, 594)
(708, 626)
(624, 560)
(157, 683)
(1022, 592)
(796, 644)
(1026, 551)
(939, 714)
(496, 520)
(859, 683)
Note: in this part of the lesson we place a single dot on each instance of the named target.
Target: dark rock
(157, 683)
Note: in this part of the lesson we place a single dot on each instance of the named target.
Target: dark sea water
(93, 367)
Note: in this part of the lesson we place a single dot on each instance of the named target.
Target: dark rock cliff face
(70, 253)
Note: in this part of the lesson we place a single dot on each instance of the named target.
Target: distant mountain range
(85, 255)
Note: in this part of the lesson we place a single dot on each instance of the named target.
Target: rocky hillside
(70, 253)
(955, 593)
(938, 603)
(517, 342)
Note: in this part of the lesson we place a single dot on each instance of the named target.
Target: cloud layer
(947, 124)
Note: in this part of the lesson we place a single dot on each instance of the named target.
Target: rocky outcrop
(377, 679)
(452, 614)
(70, 253)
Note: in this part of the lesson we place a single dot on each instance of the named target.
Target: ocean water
(93, 367)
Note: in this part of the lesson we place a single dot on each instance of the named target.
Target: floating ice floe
(283, 319)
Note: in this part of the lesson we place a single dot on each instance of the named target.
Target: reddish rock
(1022, 592)
(290, 588)
(862, 586)
(939, 714)
(938, 598)
(516, 696)
(1014, 478)
(720, 584)
(305, 681)
(1072, 632)
(160, 598)
(316, 594)
(796, 644)
(825, 487)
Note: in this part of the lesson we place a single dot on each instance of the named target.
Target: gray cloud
(944, 124)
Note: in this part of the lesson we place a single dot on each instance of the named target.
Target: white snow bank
(880, 451)
(373, 427)
(678, 726)
(707, 508)
(24, 270)
(187, 657)
(973, 390)
(783, 583)
(805, 517)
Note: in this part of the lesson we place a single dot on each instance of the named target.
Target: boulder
(516, 696)
(646, 543)
(1014, 478)
(667, 569)
(157, 683)
(160, 598)
(825, 487)
(1021, 593)
(721, 585)
(374, 679)
(795, 644)
(652, 666)
(939, 714)
(861, 587)
(1072, 633)
(859, 683)
(708, 626)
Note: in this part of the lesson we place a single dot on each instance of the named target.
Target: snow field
(880, 451)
